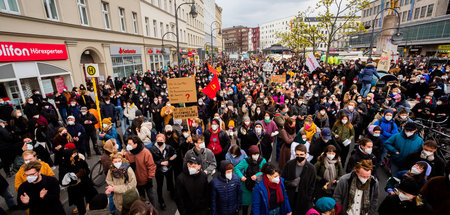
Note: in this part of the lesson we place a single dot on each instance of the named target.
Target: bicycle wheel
(97, 176)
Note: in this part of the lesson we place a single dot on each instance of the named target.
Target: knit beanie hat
(70, 146)
(409, 186)
(388, 111)
(253, 150)
(161, 136)
(325, 204)
(258, 123)
(410, 126)
(106, 121)
(129, 198)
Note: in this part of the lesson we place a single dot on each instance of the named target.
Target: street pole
(373, 27)
(212, 44)
(193, 13)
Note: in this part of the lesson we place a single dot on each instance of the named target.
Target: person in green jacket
(328, 169)
(251, 168)
(344, 133)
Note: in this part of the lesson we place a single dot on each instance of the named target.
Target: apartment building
(236, 39)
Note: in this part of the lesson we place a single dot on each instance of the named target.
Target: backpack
(252, 169)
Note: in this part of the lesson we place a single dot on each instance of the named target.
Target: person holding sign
(167, 113)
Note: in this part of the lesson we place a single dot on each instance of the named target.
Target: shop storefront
(157, 59)
(28, 66)
(126, 60)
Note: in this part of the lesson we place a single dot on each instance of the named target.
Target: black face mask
(64, 135)
(300, 159)
(160, 143)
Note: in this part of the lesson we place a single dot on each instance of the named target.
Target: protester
(29, 156)
(40, 193)
(357, 191)
(226, 194)
(206, 156)
(269, 195)
(325, 205)
(300, 181)
(328, 171)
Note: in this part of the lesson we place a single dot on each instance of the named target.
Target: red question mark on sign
(188, 96)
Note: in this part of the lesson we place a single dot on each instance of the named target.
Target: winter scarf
(365, 201)
(310, 132)
(138, 149)
(121, 172)
(330, 169)
(273, 186)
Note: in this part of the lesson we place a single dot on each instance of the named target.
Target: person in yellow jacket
(27, 157)
(167, 113)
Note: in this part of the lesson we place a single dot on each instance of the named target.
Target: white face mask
(376, 135)
(351, 108)
(202, 145)
(427, 153)
(330, 156)
(388, 118)
(192, 171)
(255, 157)
(276, 180)
(439, 103)
(229, 176)
(116, 146)
(29, 147)
(185, 135)
(403, 197)
(105, 125)
(129, 147)
(344, 121)
(31, 178)
(322, 112)
(415, 171)
(363, 180)
(247, 123)
(117, 165)
(19, 114)
(409, 134)
(368, 150)
(258, 130)
(258, 111)
(265, 101)
(71, 122)
(214, 127)
(26, 162)
(73, 104)
(267, 118)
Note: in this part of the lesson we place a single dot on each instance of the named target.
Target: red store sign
(31, 51)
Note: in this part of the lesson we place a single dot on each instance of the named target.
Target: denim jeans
(63, 113)
(365, 89)
(112, 207)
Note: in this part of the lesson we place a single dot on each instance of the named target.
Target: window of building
(370, 11)
(172, 29)
(387, 5)
(423, 11)
(159, 3)
(409, 15)
(161, 28)
(155, 28)
(430, 10)
(135, 24)
(167, 30)
(404, 16)
(416, 13)
(9, 6)
(401, 2)
(147, 29)
(83, 12)
(50, 9)
(105, 11)
(122, 19)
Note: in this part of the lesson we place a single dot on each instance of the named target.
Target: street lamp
(212, 44)
(373, 27)
(194, 14)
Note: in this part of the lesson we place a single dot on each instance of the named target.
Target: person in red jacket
(141, 160)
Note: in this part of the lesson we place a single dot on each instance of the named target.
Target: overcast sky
(252, 13)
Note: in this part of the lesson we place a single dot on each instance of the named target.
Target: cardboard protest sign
(185, 112)
(278, 79)
(182, 90)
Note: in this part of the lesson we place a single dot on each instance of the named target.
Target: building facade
(424, 25)
(236, 39)
(55, 39)
(253, 40)
(269, 31)
(219, 37)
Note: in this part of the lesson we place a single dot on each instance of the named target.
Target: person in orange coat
(27, 157)
(141, 160)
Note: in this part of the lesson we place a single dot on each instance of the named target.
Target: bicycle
(97, 175)
(432, 130)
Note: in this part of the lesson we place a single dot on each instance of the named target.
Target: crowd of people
(312, 144)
